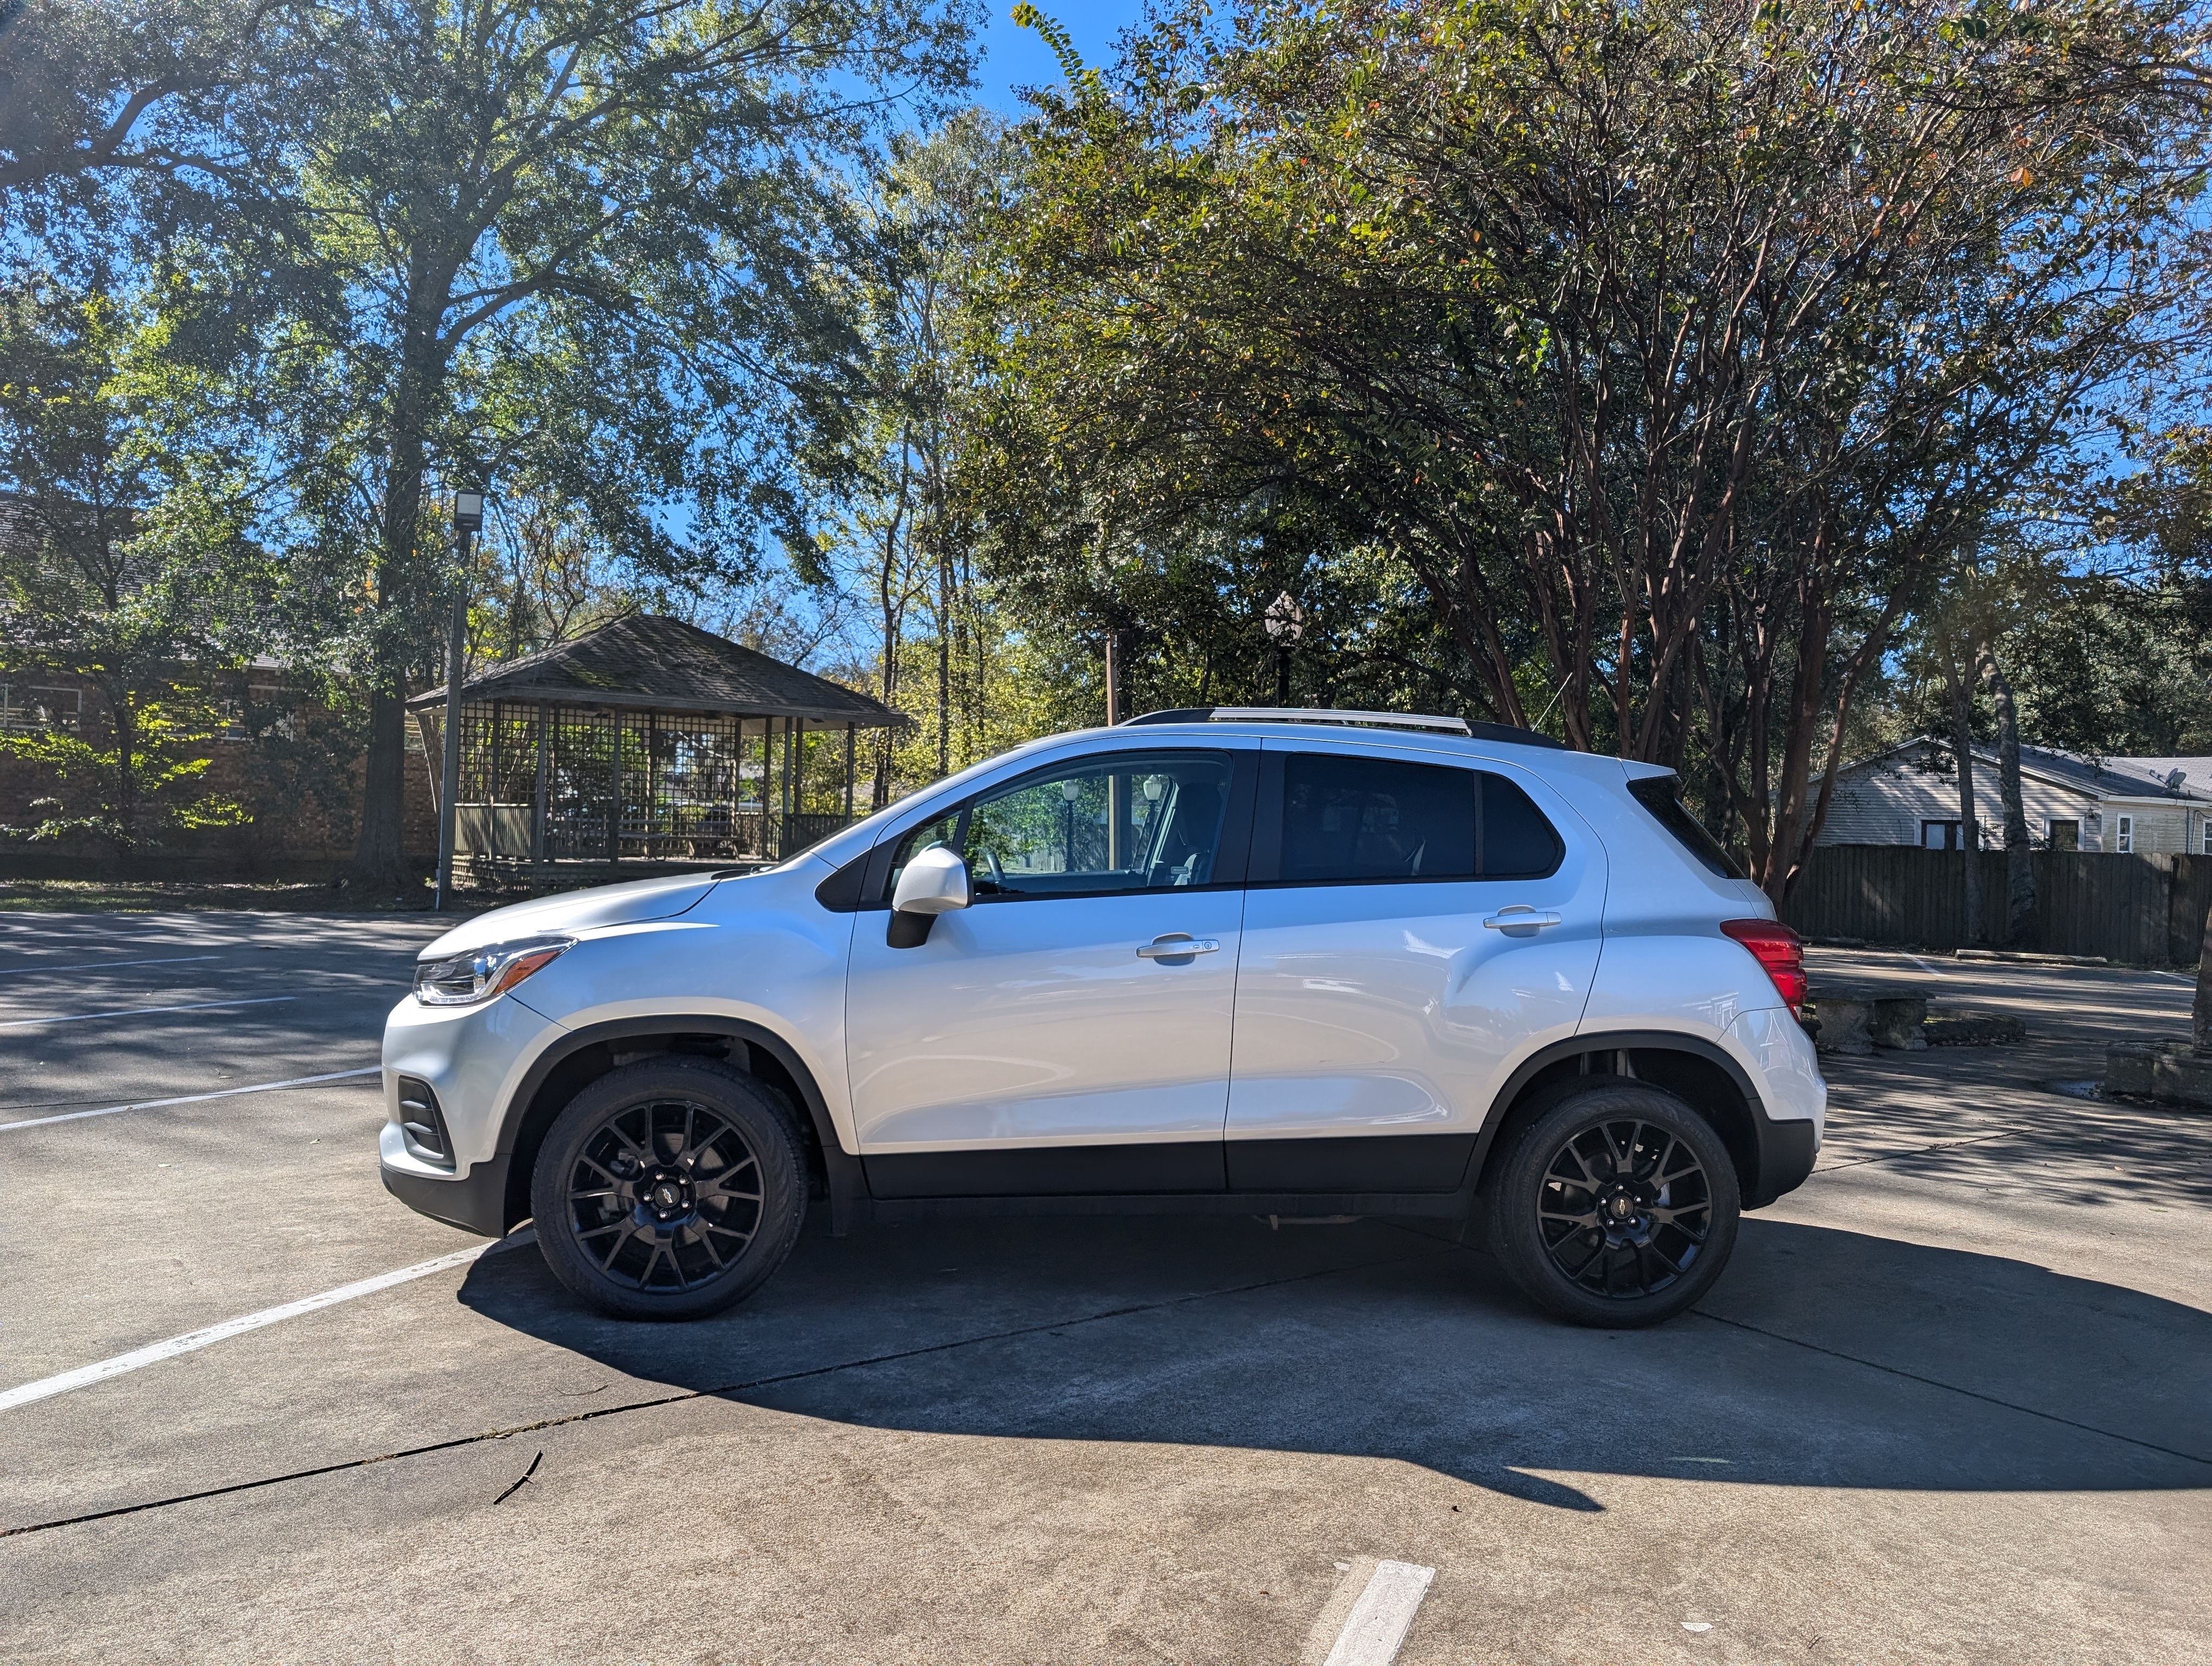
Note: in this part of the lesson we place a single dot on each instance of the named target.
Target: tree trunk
(2201, 1016)
(943, 665)
(1970, 827)
(2021, 923)
(379, 861)
(126, 769)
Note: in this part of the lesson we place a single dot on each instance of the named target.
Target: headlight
(463, 980)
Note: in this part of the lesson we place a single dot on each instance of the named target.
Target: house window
(2062, 835)
(40, 708)
(1939, 836)
(2207, 835)
(2127, 835)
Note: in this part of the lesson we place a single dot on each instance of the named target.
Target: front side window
(1116, 822)
(1347, 819)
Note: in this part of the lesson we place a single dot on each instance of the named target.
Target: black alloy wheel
(669, 1190)
(1616, 1206)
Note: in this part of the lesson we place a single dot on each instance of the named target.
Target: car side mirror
(935, 882)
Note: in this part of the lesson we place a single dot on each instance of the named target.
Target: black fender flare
(1780, 1149)
(842, 1172)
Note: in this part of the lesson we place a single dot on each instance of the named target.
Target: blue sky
(1017, 57)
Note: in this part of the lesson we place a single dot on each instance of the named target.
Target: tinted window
(1657, 794)
(1517, 842)
(1376, 819)
(1352, 819)
(1121, 822)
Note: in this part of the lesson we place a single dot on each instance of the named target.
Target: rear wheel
(1616, 1206)
(668, 1189)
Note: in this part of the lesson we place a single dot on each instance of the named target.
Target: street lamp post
(1286, 623)
(468, 520)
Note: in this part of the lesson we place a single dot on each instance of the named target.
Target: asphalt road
(1947, 1404)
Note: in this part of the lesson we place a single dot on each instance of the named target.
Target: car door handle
(1176, 945)
(1519, 914)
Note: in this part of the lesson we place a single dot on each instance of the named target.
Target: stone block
(1972, 1029)
(2168, 1072)
(1896, 1021)
(2130, 1067)
(1843, 1025)
(2181, 1076)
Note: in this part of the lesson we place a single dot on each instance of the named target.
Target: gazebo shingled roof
(652, 663)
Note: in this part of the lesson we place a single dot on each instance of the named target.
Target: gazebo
(647, 739)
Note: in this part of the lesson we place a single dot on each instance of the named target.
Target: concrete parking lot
(1949, 1403)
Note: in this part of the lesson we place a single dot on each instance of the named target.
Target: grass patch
(175, 896)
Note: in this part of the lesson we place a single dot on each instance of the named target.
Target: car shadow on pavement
(1823, 1357)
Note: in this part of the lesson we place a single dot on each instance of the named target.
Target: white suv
(1268, 963)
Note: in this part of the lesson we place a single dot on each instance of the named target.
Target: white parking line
(138, 1359)
(192, 1098)
(1380, 1618)
(103, 966)
(140, 1012)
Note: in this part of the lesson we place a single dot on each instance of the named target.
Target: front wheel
(1617, 1207)
(668, 1189)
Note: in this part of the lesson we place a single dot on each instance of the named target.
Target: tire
(669, 1190)
(1615, 1206)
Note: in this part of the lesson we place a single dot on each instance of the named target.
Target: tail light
(1779, 950)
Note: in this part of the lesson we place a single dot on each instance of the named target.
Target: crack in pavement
(1952, 1388)
(726, 1389)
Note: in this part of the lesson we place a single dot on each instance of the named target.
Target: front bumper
(475, 1059)
(475, 1201)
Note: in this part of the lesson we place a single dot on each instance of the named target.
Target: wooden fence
(2146, 909)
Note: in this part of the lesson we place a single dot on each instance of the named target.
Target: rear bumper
(1786, 1151)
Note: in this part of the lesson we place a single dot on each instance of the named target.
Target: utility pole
(1113, 677)
(468, 518)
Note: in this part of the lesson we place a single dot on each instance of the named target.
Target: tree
(122, 561)
(1669, 346)
(596, 232)
(92, 87)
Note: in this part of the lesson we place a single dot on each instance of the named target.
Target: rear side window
(1658, 794)
(1347, 819)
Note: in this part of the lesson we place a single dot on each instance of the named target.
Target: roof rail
(1460, 726)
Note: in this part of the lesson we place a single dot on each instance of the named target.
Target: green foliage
(1666, 349)
(123, 561)
(124, 789)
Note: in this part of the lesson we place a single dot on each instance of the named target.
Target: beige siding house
(1910, 796)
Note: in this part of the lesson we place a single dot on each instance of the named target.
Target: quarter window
(1348, 819)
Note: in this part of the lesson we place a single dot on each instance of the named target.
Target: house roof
(2195, 773)
(651, 663)
(2097, 778)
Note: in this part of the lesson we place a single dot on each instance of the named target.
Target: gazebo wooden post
(790, 765)
(614, 803)
(545, 784)
(652, 781)
(852, 733)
